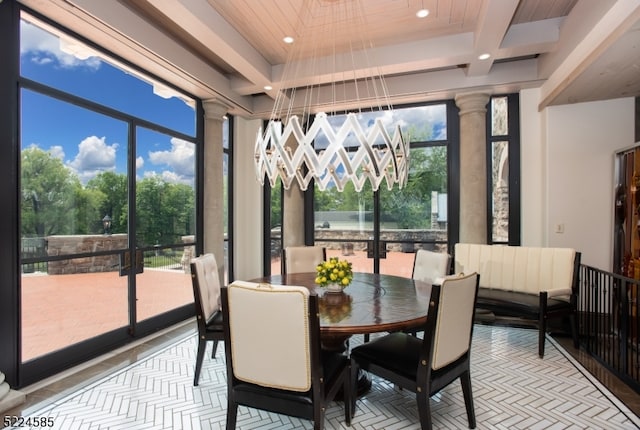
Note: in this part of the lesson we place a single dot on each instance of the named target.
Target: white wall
(579, 142)
(567, 179)
(247, 202)
(533, 168)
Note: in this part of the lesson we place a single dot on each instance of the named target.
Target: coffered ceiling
(230, 50)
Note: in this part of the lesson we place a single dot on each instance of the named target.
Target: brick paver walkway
(60, 310)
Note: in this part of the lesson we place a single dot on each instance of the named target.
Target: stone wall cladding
(394, 237)
(66, 245)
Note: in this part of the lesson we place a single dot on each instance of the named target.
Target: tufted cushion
(302, 259)
(429, 266)
(270, 335)
(518, 268)
(209, 283)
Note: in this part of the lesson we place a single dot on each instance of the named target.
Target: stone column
(473, 167)
(293, 217)
(293, 211)
(213, 234)
(9, 398)
(4, 387)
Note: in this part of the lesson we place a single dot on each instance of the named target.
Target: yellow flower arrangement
(334, 271)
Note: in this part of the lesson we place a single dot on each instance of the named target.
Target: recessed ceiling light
(288, 39)
(422, 13)
(484, 56)
(268, 87)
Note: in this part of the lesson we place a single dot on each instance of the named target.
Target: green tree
(276, 205)
(164, 211)
(411, 206)
(87, 204)
(113, 187)
(49, 195)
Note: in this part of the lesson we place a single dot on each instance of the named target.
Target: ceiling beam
(412, 88)
(493, 23)
(203, 23)
(614, 23)
(113, 25)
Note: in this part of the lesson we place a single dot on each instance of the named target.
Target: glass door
(107, 210)
(165, 211)
(71, 290)
(343, 223)
(415, 217)
(380, 231)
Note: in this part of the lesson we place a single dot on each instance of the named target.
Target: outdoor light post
(106, 224)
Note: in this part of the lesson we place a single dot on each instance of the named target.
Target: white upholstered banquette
(524, 282)
(519, 268)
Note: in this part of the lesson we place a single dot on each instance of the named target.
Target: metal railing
(608, 322)
(33, 248)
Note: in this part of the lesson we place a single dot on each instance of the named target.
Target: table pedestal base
(340, 343)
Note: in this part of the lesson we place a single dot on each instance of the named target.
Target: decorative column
(4, 387)
(213, 234)
(9, 398)
(473, 167)
(293, 217)
(293, 211)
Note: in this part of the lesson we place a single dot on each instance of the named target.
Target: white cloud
(57, 151)
(139, 163)
(174, 178)
(168, 176)
(94, 156)
(43, 47)
(180, 159)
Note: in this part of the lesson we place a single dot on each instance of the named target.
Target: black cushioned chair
(206, 294)
(274, 360)
(425, 366)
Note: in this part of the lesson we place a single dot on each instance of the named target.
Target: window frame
(513, 140)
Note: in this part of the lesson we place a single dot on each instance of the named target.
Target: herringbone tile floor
(512, 387)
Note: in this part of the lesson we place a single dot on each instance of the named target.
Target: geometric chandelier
(350, 152)
(376, 157)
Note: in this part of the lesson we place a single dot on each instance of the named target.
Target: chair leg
(542, 323)
(465, 381)
(424, 410)
(541, 335)
(348, 393)
(215, 348)
(366, 337)
(232, 414)
(202, 345)
(318, 415)
(353, 394)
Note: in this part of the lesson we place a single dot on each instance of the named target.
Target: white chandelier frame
(377, 156)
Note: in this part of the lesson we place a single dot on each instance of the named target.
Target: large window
(108, 197)
(503, 154)
(399, 221)
(380, 231)
(273, 228)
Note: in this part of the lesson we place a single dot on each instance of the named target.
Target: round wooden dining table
(372, 303)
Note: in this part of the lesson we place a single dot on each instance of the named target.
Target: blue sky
(88, 142)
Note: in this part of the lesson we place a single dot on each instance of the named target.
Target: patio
(88, 304)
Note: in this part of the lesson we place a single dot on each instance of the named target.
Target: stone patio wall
(74, 244)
